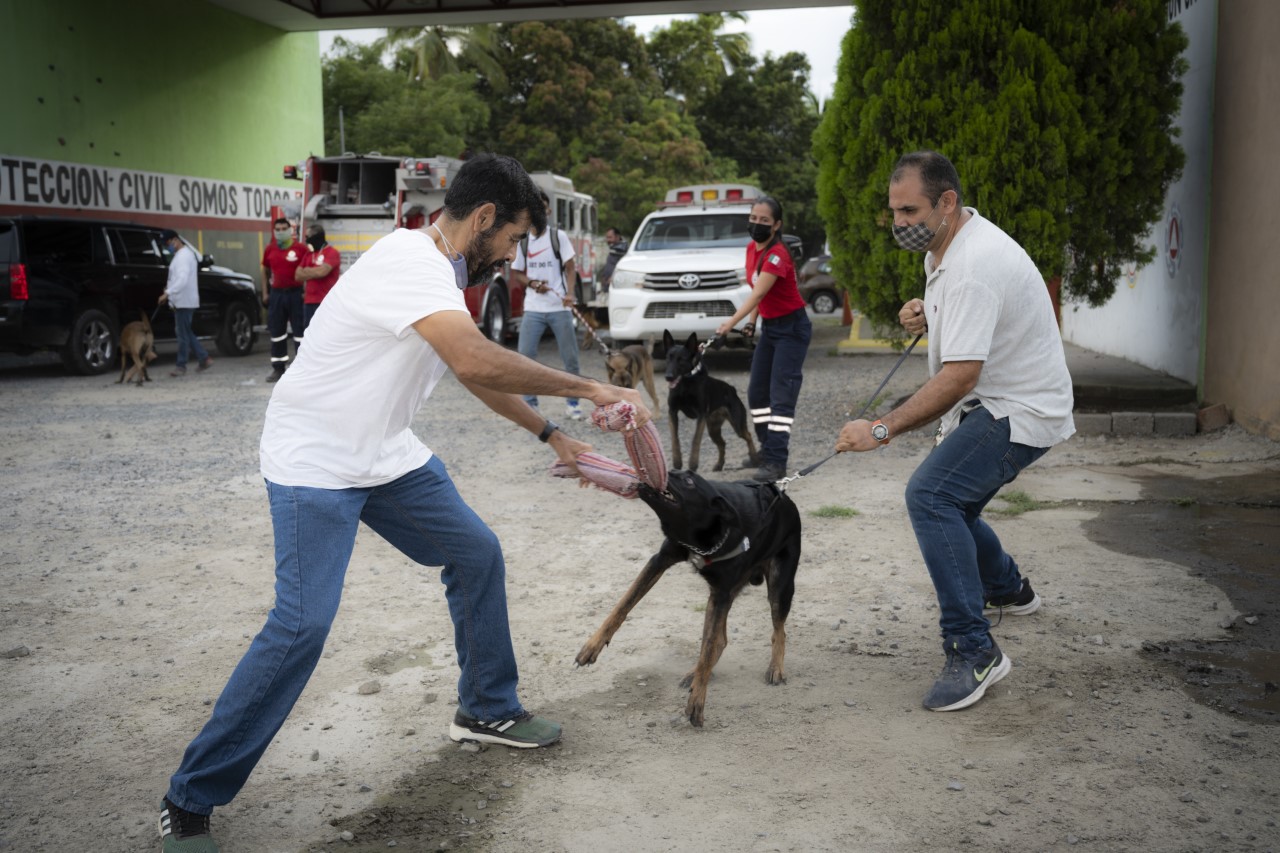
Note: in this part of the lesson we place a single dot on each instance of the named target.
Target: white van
(685, 269)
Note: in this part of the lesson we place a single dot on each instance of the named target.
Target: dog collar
(702, 559)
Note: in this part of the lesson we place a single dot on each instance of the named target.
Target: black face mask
(315, 243)
(760, 232)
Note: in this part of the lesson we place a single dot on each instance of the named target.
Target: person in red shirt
(318, 272)
(282, 294)
(778, 360)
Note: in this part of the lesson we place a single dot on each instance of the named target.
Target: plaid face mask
(915, 238)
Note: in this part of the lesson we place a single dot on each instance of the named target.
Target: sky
(816, 32)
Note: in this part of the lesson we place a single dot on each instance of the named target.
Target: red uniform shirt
(784, 296)
(317, 288)
(283, 263)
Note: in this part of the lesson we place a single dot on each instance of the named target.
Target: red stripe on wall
(181, 224)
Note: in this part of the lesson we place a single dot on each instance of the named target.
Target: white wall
(1156, 316)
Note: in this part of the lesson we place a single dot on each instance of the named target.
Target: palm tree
(477, 47)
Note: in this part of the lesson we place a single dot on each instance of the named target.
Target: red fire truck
(360, 198)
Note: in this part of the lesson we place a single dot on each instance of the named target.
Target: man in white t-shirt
(338, 449)
(549, 275)
(999, 383)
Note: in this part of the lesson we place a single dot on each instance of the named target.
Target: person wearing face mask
(282, 294)
(998, 380)
(182, 293)
(318, 272)
(777, 363)
(340, 446)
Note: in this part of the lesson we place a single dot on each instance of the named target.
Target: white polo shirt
(987, 302)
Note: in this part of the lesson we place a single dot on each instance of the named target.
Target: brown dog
(137, 343)
(628, 366)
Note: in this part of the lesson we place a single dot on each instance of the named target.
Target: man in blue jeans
(999, 383)
(338, 449)
(182, 292)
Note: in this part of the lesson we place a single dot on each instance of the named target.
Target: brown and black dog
(734, 534)
(137, 342)
(631, 365)
(709, 402)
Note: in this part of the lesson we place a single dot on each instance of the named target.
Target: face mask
(760, 232)
(316, 244)
(916, 238)
(282, 239)
(461, 276)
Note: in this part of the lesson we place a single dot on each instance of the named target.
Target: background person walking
(182, 292)
(777, 364)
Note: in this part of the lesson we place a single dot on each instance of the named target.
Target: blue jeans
(423, 516)
(532, 327)
(945, 499)
(188, 343)
(777, 371)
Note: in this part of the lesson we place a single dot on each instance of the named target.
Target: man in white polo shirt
(999, 383)
(338, 449)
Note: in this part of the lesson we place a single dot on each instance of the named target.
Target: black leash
(804, 472)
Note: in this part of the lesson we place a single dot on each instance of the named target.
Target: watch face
(879, 432)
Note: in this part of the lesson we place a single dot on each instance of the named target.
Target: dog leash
(590, 331)
(804, 472)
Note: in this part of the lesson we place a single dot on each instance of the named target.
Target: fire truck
(360, 198)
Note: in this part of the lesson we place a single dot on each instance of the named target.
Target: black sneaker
(183, 831)
(965, 679)
(275, 376)
(524, 731)
(1024, 602)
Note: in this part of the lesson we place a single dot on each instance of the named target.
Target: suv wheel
(495, 319)
(91, 348)
(823, 302)
(236, 337)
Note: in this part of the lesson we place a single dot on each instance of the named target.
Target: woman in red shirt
(778, 361)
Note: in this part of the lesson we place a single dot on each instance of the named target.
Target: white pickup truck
(685, 268)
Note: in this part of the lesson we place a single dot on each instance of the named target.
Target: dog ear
(726, 511)
(667, 341)
(692, 343)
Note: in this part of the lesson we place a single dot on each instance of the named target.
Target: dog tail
(648, 346)
(146, 321)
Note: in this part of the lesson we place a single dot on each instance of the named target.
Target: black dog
(704, 399)
(733, 533)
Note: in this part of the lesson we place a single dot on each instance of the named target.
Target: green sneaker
(183, 831)
(524, 731)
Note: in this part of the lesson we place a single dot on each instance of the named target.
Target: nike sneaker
(966, 676)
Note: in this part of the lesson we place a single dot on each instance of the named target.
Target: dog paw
(694, 712)
(775, 676)
(590, 652)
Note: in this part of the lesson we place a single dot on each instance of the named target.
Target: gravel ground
(136, 555)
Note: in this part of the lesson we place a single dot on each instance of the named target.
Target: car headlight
(627, 278)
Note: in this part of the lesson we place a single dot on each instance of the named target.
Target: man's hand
(607, 394)
(265, 298)
(164, 297)
(856, 436)
(912, 317)
(567, 448)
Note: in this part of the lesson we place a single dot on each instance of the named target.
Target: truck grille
(669, 310)
(708, 280)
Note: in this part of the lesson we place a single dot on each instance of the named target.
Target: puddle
(1226, 530)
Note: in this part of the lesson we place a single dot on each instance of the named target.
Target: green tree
(382, 114)
(693, 57)
(763, 118)
(996, 86)
(432, 49)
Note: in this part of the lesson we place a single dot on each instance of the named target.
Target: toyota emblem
(689, 281)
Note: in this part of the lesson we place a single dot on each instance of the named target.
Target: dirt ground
(135, 551)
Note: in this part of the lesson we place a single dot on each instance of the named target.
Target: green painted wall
(175, 86)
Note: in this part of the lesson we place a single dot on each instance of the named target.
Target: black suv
(70, 284)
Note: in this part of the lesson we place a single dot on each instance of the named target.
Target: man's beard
(482, 273)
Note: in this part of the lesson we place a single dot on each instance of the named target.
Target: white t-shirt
(541, 265)
(988, 303)
(339, 418)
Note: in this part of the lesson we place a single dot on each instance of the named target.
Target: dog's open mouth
(671, 383)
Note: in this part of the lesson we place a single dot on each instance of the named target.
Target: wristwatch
(880, 432)
(547, 429)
